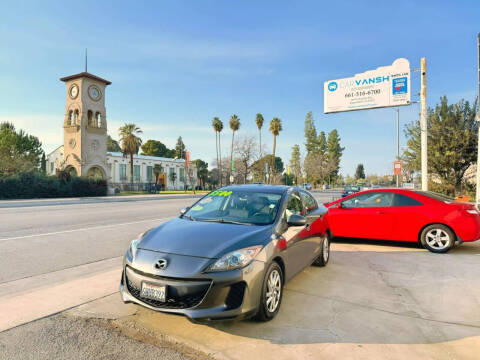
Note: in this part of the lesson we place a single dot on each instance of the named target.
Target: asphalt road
(39, 239)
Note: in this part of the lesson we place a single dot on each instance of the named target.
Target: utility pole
(398, 141)
(423, 123)
(478, 119)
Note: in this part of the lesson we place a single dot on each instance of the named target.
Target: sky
(174, 65)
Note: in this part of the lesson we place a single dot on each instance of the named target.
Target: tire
(324, 256)
(267, 311)
(437, 238)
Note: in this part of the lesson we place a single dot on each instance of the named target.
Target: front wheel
(437, 238)
(324, 256)
(272, 292)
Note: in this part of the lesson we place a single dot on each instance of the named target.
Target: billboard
(386, 86)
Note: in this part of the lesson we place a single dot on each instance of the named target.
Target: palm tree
(275, 128)
(234, 125)
(218, 127)
(259, 122)
(130, 142)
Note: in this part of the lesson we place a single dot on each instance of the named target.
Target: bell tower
(85, 126)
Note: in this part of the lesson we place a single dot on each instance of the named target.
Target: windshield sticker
(197, 208)
(221, 193)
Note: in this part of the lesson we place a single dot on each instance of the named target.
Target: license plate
(154, 292)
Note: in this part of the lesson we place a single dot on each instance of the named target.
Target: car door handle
(380, 212)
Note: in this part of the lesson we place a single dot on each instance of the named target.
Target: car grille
(235, 295)
(179, 302)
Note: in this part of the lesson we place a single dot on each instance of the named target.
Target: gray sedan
(229, 255)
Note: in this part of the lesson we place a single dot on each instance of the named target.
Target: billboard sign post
(385, 86)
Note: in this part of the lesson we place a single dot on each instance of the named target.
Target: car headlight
(236, 259)
(133, 245)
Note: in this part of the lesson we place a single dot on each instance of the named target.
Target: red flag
(188, 158)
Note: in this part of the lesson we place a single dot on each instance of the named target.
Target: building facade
(84, 149)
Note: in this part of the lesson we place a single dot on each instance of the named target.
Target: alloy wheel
(326, 249)
(274, 288)
(437, 239)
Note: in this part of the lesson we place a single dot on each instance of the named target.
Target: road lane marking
(81, 229)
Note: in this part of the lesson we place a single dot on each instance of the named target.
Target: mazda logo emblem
(161, 264)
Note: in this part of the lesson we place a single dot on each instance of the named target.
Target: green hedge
(34, 185)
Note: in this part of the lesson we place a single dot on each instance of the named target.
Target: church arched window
(90, 118)
(70, 118)
(75, 117)
(98, 120)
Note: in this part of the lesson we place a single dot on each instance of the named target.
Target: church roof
(85, 74)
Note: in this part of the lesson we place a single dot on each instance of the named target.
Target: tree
(112, 145)
(234, 125)
(130, 142)
(322, 143)
(259, 121)
(452, 143)
(246, 150)
(275, 128)
(296, 163)
(43, 165)
(19, 152)
(334, 152)
(157, 170)
(311, 140)
(360, 172)
(157, 148)
(316, 167)
(217, 125)
(258, 167)
(173, 178)
(180, 152)
(202, 171)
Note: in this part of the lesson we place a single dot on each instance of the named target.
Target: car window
(403, 200)
(370, 199)
(294, 205)
(309, 203)
(248, 207)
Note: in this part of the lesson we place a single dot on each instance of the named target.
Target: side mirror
(297, 220)
(184, 210)
(339, 205)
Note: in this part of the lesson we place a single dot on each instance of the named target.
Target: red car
(433, 220)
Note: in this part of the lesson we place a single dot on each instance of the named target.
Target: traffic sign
(397, 167)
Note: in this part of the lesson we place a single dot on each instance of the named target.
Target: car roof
(273, 189)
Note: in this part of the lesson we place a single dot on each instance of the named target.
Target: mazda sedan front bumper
(200, 296)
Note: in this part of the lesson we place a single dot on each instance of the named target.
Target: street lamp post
(478, 120)
(398, 141)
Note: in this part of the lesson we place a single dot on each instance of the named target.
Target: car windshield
(237, 207)
(436, 196)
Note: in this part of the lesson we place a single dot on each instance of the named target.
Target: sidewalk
(99, 199)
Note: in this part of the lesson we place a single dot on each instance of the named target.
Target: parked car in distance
(349, 190)
(307, 186)
(229, 255)
(326, 186)
(433, 220)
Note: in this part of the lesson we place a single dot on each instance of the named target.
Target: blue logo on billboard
(399, 86)
(332, 86)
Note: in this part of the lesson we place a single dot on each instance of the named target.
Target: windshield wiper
(223, 221)
(190, 217)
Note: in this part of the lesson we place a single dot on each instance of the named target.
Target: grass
(168, 192)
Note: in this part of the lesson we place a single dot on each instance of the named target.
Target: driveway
(371, 301)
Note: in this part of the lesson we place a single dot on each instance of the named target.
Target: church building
(84, 150)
